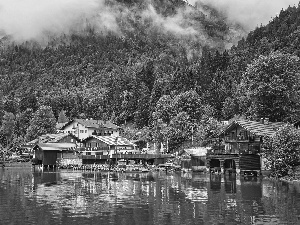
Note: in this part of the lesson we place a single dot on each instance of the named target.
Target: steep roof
(56, 146)
(256, 128)
(112, 140)
(92, 123)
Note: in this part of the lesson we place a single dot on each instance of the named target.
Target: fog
(28, 19)
(36, 19)
(249, 13)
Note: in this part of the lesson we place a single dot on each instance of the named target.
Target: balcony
(221, 152)
(242, 139)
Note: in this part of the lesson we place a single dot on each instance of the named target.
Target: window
(72, 140)
(81, 131)
(85, 131)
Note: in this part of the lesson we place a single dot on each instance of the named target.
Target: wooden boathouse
(238, 148)
(194, 159)
(48, 154)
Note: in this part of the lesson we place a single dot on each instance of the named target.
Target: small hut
(194, 159)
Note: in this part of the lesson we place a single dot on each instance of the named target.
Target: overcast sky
(249, 13)
(28, 19)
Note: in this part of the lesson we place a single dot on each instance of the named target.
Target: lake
(78, 197)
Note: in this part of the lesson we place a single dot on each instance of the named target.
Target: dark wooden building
(194, 159)
(239, 146)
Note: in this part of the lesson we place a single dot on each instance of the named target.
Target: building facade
(84, 128)
(238, 149)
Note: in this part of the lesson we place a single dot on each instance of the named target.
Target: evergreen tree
(62, 117)
(8, 127)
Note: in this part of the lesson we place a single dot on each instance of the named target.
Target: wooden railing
(226, 152)
(126, 156)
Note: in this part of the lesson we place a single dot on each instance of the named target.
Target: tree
(189, 102)
(10, 103)
(43, 122)
(164, 109)
(179, 130)
(141, 115)
(8, 127)
(230, 108)
(282, 151)
(28, 101)
(62, 117)
(206, 130)
(271, 88)
(23, 121)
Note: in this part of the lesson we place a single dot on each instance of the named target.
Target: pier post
(222, 165)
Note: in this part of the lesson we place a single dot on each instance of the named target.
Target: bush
(282, 151)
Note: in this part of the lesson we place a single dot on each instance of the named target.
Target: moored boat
(136, 168)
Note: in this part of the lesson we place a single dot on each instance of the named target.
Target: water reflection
(75, 197)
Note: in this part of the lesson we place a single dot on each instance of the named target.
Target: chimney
(266, 121)
(261, 120)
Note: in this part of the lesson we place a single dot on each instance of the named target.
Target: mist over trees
(163, 84)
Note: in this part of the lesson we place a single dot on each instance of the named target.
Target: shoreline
(17, 164)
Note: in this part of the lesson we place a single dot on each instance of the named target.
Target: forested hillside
(165, 69)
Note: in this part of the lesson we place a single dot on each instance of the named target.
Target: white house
(84, 128)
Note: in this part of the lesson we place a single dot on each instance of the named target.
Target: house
(110, 149)
(238, 147)
(83, 128)
(49, 154)
(102, 148)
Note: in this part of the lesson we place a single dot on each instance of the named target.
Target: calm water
(68, 197)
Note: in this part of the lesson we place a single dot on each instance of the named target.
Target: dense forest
(167, 73)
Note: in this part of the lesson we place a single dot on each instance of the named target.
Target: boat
(136, 168)
(169, 166)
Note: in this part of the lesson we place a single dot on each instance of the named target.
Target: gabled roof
(112, 140)
(50, 138)
(56, 146)
(92, 123)
(199, 151)
(256, 128)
